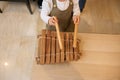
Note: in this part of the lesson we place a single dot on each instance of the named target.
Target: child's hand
(52, 21)
(76, 19)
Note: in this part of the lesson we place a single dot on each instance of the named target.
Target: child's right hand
(52, 21)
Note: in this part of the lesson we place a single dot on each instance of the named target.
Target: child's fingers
(76, 20)
(55, 19)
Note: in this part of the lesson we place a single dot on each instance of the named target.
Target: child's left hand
(76, 19)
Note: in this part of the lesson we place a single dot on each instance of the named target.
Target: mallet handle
(58, 35)
(75, 35)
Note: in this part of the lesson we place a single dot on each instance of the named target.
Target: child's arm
(76, 9)
(76, 12)
(46, 8)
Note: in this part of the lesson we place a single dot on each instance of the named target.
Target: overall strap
(54, 3)
(71, 2)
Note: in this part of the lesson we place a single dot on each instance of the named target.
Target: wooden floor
(101, 17)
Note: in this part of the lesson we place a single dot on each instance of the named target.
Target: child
(67, 13)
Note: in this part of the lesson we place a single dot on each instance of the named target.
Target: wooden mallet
(58, 34)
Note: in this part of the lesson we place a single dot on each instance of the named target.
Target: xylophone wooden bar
(53, 49)
(57, 51)
(78, 50)
(71, 46)
(48, 46)
(42, 52)
(67, 47)
(63, 50)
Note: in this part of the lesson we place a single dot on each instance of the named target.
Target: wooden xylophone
(49, 51)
